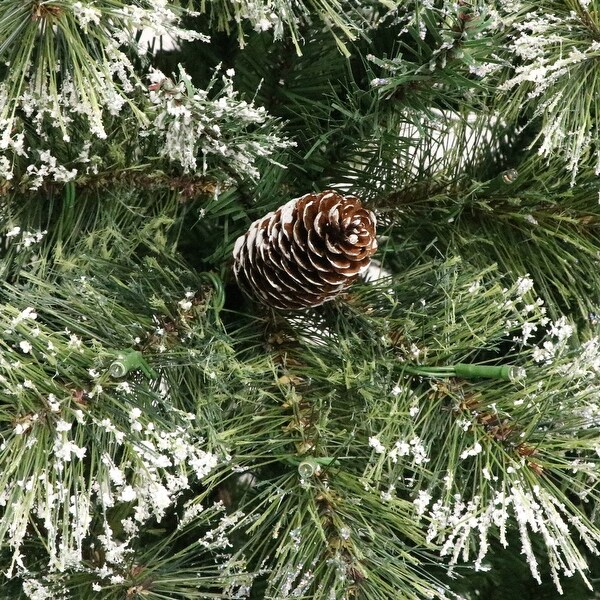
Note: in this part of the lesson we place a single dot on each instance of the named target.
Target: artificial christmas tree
(432, 432)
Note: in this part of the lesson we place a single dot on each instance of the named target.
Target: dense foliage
(433, 432)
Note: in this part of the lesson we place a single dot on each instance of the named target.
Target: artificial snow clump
(195, 126)
(89, 91)
(455, 522)
(551, 50)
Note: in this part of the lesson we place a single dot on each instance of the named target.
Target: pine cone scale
(307, 251)
(317, 246)
(332, 248)
(310, 213)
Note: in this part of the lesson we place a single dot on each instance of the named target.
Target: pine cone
(307, 251)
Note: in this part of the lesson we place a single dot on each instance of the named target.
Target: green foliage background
(412, 107)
